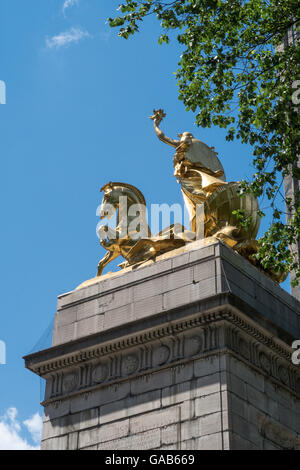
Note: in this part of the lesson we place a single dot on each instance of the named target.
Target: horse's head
(114, 194)
(110, 201)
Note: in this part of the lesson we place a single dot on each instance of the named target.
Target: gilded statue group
(203, 185)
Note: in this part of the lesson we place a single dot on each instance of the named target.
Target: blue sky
(76, 117)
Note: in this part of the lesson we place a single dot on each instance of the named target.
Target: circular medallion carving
(283, 374)
(129, 364)
(265, 362)
(70, 382)
(100, 373)
(160, 355)
(192, 345)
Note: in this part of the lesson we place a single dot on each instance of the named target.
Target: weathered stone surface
(70, 423)
(177, 393)
(130, 406)
(56, 409)
(145, 307)
(211, 442)
(171, 434)
(208, 404)
(239, 443)
(207, 385)
(146, 441)
(63, 333)
(155, 381)
(100, 397)
(57, 443)
(246, 374)
(190, 429)
(157, 419)
(246, 430)
(107, 432)
(207, 366)
(212, 423)
(88, 326)
(73, 441)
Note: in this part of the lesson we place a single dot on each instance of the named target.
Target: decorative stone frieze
(172, 348)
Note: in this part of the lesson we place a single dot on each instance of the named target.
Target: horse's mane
(135, 190)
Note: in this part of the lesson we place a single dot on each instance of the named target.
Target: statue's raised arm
(157, 117)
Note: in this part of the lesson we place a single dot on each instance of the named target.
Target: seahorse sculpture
(132, 238)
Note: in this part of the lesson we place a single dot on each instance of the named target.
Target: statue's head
(186, 137)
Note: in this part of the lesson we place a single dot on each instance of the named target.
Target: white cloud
(69, 3)
(34, 426)
(73, 35)
(10, 431)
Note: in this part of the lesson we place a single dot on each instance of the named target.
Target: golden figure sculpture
(202, 179)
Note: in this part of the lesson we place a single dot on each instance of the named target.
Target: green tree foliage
(234, 74)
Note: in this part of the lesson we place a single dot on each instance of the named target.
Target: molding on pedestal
(170, 345)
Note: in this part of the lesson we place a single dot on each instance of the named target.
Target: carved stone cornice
(123, 344)
(259, 335)
(171, 345)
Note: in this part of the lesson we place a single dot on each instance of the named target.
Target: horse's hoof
(99, 272)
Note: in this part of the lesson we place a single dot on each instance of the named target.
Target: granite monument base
(192, 351)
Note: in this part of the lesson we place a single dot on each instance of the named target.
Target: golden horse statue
(132, 237)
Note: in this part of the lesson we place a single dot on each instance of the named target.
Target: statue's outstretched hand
(158, 115)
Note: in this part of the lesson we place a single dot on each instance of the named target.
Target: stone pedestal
(190, 352)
